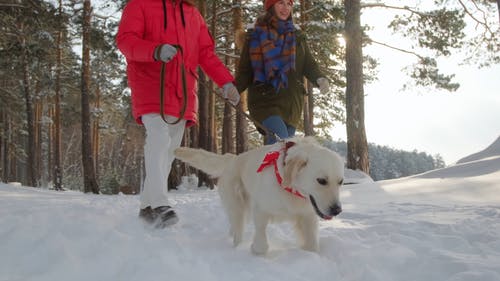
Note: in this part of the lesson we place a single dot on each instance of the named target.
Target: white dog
(295, 180)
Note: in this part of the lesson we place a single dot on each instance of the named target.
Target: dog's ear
(292, 168)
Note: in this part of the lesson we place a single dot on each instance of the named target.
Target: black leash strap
(257, 123)
(184, 89)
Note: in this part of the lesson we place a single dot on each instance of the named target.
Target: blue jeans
(275, 124)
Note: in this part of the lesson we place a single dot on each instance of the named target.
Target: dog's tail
(209, 162)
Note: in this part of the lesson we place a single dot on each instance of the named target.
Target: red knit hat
(269, 3)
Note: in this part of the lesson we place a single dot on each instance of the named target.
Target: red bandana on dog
(271, 158)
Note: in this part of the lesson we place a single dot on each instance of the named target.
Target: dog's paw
(236, 241)
(311, 247)
(259, 248)
(237, 237)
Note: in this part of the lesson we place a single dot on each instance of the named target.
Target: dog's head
(318, 173)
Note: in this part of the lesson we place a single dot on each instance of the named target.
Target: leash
(184, 101)
(257, 123)
(184, 89)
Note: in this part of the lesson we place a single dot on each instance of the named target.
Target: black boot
(159, 217)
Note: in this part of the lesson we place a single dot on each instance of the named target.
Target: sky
(441, 225)
(451, 124)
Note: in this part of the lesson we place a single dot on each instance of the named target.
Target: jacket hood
(182, 2)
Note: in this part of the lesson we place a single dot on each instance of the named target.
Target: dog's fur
(314, 171)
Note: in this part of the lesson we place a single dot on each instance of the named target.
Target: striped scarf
(272, 52)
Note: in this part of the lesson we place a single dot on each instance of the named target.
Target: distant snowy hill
(491, 150)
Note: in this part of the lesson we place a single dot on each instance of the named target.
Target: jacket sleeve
(130, 32)
(244, 74)
(311, 68)
(208, 59)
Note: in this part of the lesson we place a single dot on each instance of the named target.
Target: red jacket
(141, 30)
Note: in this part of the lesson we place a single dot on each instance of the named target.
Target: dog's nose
(335, 209)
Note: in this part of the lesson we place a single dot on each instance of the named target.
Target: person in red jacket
(173, 33)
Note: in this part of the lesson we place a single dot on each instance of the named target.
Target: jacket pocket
(192, 81)
(264, 89)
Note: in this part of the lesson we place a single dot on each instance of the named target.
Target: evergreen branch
(13, 5)
(6, 91)
(309, 11)
(222, 12)
(397, 49)
(479, 22)
(404, 8)
(229, 55)
(103, 17)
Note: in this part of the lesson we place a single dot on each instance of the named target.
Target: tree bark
(56, 168)
(95, 132)
(308, 112)
(2, 142)
(241, 119)
(50, 143)
(89, 179)
(498, 9)
(212, 133)
(31, 179)
(5, 145)
(357, 146)
(202, 97)
(227, 120)
(37, 121)
(227, 130)
(203, 120)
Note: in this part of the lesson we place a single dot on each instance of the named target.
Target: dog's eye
(322, 181)
(341, 181)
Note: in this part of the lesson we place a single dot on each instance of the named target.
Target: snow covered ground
(443, 225)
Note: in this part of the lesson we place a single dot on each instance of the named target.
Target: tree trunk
(227, 120)
(202, 97)
(95, 132)
(38, 112)
(9, 160)
(2, 142)
(212, 126)
(50, 143)
(308, 100)
(31, 179)
(241, 127)
(357, 146)
(498, 8)
(203, 136)
(56, 168)
(308, 110)
(194, 138)
(89, 179)
(227, 130)
(212, 133)
(241, 119)
(204, 124)
(227, 126)
(5, 145)
(203, 111)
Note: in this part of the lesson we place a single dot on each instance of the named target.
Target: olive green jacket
(263, 101)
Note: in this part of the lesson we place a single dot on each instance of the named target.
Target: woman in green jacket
(274, 60)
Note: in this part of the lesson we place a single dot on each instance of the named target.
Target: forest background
(65, 107)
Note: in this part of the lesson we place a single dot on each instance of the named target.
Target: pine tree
(89, 177)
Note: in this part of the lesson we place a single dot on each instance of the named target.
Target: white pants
(161, 141)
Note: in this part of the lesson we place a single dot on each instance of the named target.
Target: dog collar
(271, 159)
